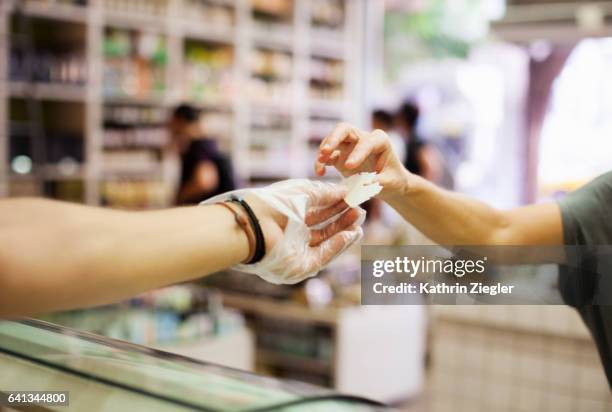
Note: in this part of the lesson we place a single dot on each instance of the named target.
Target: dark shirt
(198, 152)
(587, 283)
(412, 162)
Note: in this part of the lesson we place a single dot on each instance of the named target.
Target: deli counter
(102, 374)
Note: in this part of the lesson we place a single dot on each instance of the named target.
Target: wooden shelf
(54, 11)
(127, 100)
(280, 309)
(330, 108)
(51, 172)
(127, 20)
(196, 31)
(302, 363)
(329, 50)
(273, 41)
(47, 91)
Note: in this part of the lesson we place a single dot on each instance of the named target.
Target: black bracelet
(260, 242)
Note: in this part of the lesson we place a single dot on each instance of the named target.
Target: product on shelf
(279, 9)
(57, 148)
(48, 67)
(326, 79)
(67, 190)
(271, 76)
(154, 8)
(122, 115)
(208, 73)
(219, 125)
(149, 137)
(62, 2)
(270, 144)
(327, 13)
(130, 160)
(297, 350)
(134, 64)
(133, 141)
(171, 314)
(209, 13)
(273, 21)
(271, 64)
(135, 194)
(133, 126)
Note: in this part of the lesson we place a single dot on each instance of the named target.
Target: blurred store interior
(512, 103)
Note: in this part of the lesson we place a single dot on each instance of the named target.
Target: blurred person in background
(421, 158)
(205, 171)
(383, 120)
(583, 218)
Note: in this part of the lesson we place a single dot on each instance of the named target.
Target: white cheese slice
(361, 187)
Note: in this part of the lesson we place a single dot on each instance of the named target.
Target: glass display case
(108, 375)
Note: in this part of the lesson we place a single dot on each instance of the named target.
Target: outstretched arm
(56, 256)
(451, 218)
(447, 218)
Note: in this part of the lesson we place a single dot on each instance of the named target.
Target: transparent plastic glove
(320, 226)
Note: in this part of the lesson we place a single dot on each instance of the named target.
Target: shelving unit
(333, 346)
(271, 78)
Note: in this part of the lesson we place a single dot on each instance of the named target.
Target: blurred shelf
(210, 105)
(328, 108)
(302, 363)
(47, 91)
(137, 22)
(329, 50)
(280, 309)
(227, 3)
(203, 32)
(134, 100)
(271, 107)
(53, 11)
(273, 40)
(59, 172)
(142, 173)
(52, 172)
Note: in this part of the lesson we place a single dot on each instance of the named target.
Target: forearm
(57, 256)
(450, 218)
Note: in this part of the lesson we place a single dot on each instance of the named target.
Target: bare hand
(352, 151)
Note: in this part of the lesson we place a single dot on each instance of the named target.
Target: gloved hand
(316, 225)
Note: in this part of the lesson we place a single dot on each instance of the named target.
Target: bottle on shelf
(134, 64)
(326, 79)
(208, 73)
(209, 13)
(271, 72)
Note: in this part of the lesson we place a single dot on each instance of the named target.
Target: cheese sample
(361, 187)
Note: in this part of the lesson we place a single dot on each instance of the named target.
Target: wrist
(402, 187)
(272, 222)
(242, 221)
